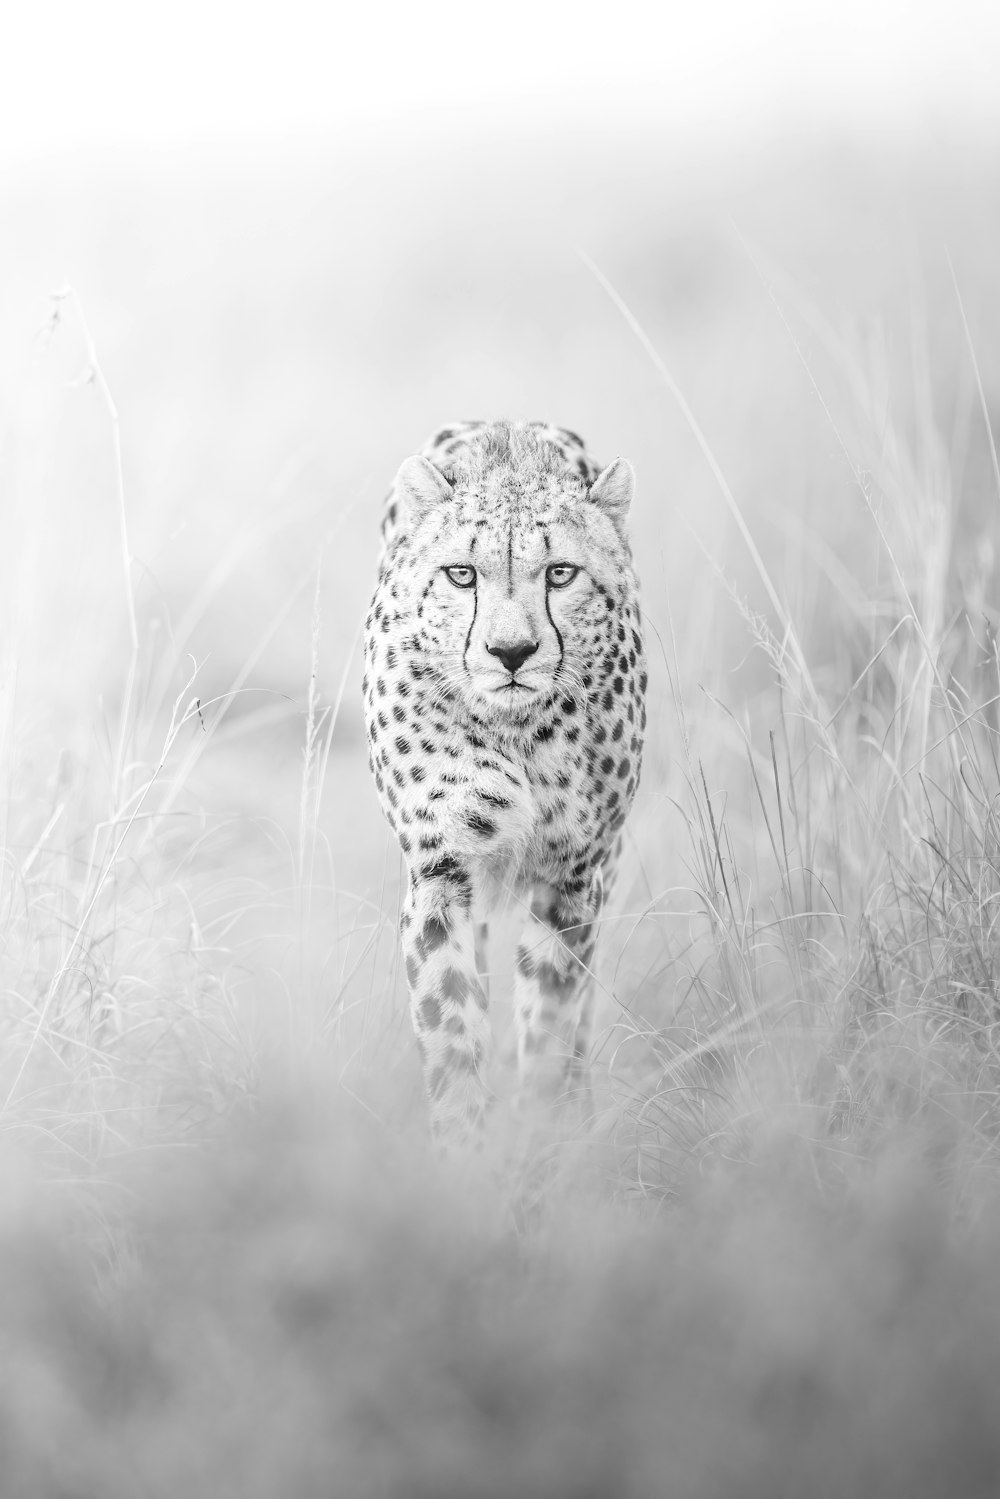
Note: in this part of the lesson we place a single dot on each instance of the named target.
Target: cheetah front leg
(579, 1078)
(448, 1003)
(483, 955)
(551, 984)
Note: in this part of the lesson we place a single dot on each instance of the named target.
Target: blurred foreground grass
(230, 1263)
(309, 1307)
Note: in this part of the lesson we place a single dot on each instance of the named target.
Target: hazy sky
(74, 72)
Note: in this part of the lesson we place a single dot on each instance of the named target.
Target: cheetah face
(503, 620)
(514, 601)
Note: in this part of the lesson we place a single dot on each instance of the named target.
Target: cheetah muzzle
(504, 701)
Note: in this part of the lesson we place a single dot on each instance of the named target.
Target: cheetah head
(515, 587)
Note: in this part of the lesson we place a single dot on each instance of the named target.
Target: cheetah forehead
(502, 473)
(494, 459)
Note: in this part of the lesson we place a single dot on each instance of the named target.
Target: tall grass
(232, 1264)
(837, 975)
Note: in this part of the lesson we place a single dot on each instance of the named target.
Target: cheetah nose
(513, 656)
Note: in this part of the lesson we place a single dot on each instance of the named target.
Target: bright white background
(389, 238)
(74, 74)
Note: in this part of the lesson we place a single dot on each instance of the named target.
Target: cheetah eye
(559, 574)
(462, 577)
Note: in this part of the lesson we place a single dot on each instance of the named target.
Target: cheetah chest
(520, 817)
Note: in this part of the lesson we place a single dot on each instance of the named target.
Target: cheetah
(504, 692)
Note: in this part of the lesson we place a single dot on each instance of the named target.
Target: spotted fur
(504, 702)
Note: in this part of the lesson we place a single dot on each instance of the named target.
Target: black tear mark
(472, 625)
(555, 630)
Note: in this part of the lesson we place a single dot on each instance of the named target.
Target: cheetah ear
(613, 489)
(421, 487)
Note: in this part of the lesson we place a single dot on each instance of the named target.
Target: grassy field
(231, 1263)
